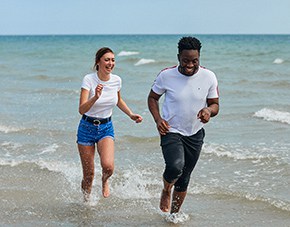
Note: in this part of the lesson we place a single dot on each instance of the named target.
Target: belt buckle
(96, 122)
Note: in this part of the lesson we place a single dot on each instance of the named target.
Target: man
(191, 99)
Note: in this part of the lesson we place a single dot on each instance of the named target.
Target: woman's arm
(86, 103)
(123, 106)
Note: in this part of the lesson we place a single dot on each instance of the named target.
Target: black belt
(96, 121)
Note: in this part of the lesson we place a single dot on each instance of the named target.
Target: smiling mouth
(189, 71)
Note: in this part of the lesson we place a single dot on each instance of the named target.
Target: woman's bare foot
(106, 188)
(165, 200)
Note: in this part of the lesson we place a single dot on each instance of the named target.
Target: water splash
(177, 218)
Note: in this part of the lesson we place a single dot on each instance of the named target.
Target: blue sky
(19, 17)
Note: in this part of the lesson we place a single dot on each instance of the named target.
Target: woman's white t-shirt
(103, 107)
(185, 96)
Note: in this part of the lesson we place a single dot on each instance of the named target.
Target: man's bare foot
(165, 201)
(106, 189)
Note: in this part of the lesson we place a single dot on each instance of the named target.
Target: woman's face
(106, 63)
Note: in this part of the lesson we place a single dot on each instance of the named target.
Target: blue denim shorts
(89, 134)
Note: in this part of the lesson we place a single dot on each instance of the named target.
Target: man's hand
(204, 115)
(162, 126)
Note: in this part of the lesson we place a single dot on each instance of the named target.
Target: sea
(241, 179)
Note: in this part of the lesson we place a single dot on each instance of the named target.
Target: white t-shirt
(103, 107)
(185, 96)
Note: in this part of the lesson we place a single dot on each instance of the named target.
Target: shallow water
(241, 178)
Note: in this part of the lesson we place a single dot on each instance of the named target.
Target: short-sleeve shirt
(185, 96)
(103, 107)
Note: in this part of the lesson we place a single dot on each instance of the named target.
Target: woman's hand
(137, 118)
(98, 90)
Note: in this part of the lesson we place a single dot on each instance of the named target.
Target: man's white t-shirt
(185, 96)
(103, 107)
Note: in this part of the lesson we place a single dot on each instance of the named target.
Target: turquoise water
(241, 178)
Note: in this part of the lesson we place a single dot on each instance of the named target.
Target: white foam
(278, 61)
(10, 145)
(128, 53)
(12, 163)
(50, 149)
(236, 152)
(273, 115)
(283, 205)
(144, 61)
(8, 129)
(204, 189)
(177, 218)
(70, 170)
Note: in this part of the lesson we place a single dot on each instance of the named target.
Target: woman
(100, 92)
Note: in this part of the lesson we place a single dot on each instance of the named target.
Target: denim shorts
(88, 134)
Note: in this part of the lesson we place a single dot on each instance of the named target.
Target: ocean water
(241, 179)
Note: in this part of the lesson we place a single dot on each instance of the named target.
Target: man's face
(189, 62)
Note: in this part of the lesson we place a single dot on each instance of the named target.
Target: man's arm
(211, 110)
(153, 105)
(213, 106)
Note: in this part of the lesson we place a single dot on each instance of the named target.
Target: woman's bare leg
(106, 152)
(87, 155)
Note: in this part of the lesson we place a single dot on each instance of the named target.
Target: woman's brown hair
(100, 54)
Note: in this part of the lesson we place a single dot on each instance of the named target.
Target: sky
(41, 17)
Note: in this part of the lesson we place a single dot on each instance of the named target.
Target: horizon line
(152, 34)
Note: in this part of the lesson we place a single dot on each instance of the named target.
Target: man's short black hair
(189, 43)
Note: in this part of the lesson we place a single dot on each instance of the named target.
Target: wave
(204, 189)
(49, 149)
(268, 83)
(55, 91)
(278, 61)
(139, 140)
(7, 147)
(130, 60)
(54, 78)
(13, 163)
(144, 61)
(128, 53)
(129, 183)
(40, 77)
(9, 129)
(281, 84)
(71, 171)
(236, 152)
(273, 115)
